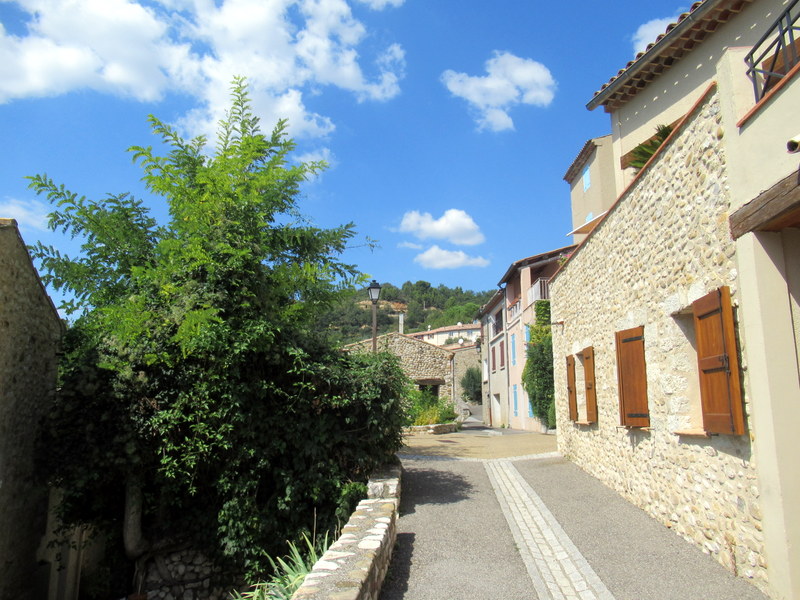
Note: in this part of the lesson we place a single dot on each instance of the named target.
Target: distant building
(456, 335)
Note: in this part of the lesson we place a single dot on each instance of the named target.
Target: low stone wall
(353, 567)
(433, 429)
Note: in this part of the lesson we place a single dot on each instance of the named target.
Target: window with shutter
(502, 354)
(588, 376)
(718, 363)
(572, 397)
(632, 377)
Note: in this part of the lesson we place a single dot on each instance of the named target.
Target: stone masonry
(424, 363)
(30, 331)
(664, 244)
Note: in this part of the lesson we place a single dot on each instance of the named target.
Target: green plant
(537, 374)
(471, 385)
(644, 151)
(424, 408)
(199, 403)
(551, 416)
(288, 571)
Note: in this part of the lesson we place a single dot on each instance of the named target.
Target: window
(587, 403)
(502, 355)
(494, 358)
(632, 377)
(572, 396)
(497, 326)
(718, 363)
(587, 180)
(587, 356)
(513, 349)
(516, 400)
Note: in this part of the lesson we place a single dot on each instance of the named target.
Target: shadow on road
(395, 585)
(423, 485)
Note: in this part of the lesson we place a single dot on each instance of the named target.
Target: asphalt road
(551, 531)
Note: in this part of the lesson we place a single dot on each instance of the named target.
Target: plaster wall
(601, 193)
(663, 245)
(671, 95)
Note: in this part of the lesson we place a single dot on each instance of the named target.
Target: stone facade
(355, 565)
(464, 358)
(663, 245)
(424, 363)
(30, 332)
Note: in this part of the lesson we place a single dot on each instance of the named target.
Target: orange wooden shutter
(571, 392)
(591, 395)
(718, 363)
(632, 377)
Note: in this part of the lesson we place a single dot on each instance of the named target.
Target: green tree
(537, 375)
(471, 385)
(199, 402)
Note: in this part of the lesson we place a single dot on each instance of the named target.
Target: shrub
(427, 409)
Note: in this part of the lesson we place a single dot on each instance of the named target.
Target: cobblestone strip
(555, 565)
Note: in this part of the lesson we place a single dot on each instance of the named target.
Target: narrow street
(499, 514)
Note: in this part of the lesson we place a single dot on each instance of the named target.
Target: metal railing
(773, 56)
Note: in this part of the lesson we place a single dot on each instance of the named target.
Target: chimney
(401, 321)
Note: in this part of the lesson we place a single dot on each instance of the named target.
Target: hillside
(422, 304)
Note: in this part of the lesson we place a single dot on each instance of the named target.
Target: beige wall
(673, 93)
(29, 336)
(601, 193)
(665, 244)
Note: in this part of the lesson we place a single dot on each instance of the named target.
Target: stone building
(429, 367)
(465, 357)
(31, 332)
(676, 344)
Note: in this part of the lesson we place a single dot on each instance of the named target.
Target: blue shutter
(527, 334)
(513, 349)
(516, 404)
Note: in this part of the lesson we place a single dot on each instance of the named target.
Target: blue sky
(448, 124)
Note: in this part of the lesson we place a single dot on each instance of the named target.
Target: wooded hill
(423, 304)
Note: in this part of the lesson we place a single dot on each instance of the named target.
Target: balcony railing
(773, 56)
(540, 290)
(513, 311)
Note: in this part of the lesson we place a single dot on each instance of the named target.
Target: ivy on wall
(537, 375)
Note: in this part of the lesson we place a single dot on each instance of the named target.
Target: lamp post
(374, 291)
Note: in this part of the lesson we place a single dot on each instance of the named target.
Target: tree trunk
(135, 544)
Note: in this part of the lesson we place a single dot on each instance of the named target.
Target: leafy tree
(199, 402)
(471, 385)
(537, 375)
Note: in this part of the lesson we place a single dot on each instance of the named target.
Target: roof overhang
(681, 37)
(589, 225)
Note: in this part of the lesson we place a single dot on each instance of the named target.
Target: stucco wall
(421, 361)
(29, 336)
(665, 244)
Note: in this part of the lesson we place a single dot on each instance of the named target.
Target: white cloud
(146, 49)
(455, 226)
(436, 258)
(648, 32)
(381, 4)
(510, 81)
(410, 245)
(30, 214)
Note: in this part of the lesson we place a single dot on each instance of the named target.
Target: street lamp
(374, 291)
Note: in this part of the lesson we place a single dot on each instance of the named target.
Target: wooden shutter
(588, 374)
(632, 377)
(718, 363)
(502, 354)
(572, 397)
(494, 358)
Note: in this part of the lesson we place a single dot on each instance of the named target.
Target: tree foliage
(199, 404)
(537, 374)
(471, 385)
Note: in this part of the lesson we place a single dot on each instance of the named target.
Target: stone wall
(664, 244)
(463, 359)
(30, 331)
(354, 567)
(424, 363)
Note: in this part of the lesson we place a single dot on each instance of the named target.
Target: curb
(354, 567)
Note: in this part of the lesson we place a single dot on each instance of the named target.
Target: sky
(448, 125)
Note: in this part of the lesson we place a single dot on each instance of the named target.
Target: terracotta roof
(532, 260)
(583, 157)
(682, 36)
